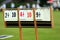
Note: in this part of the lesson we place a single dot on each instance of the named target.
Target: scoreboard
(26, 17)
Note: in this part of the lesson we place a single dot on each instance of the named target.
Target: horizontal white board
(27, 15)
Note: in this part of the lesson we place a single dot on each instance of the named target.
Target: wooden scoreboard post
(20, 26)
(51, 17)
(35, 24)
(3, 18)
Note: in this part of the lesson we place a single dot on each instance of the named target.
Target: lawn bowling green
(43, 17)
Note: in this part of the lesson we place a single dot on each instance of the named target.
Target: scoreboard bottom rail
(28, 24)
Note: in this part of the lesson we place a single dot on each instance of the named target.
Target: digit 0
(13, 14)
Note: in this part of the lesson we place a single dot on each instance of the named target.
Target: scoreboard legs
(35, 26)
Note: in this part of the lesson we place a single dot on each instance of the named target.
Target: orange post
(35, 24)
(51, 17)
(3, 18)
(20, 27)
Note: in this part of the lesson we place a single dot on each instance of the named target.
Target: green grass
(29, 33)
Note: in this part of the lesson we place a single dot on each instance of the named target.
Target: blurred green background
(29, 33)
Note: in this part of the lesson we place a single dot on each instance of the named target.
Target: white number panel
(42, 14)
(26, 15)
(10, 15)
